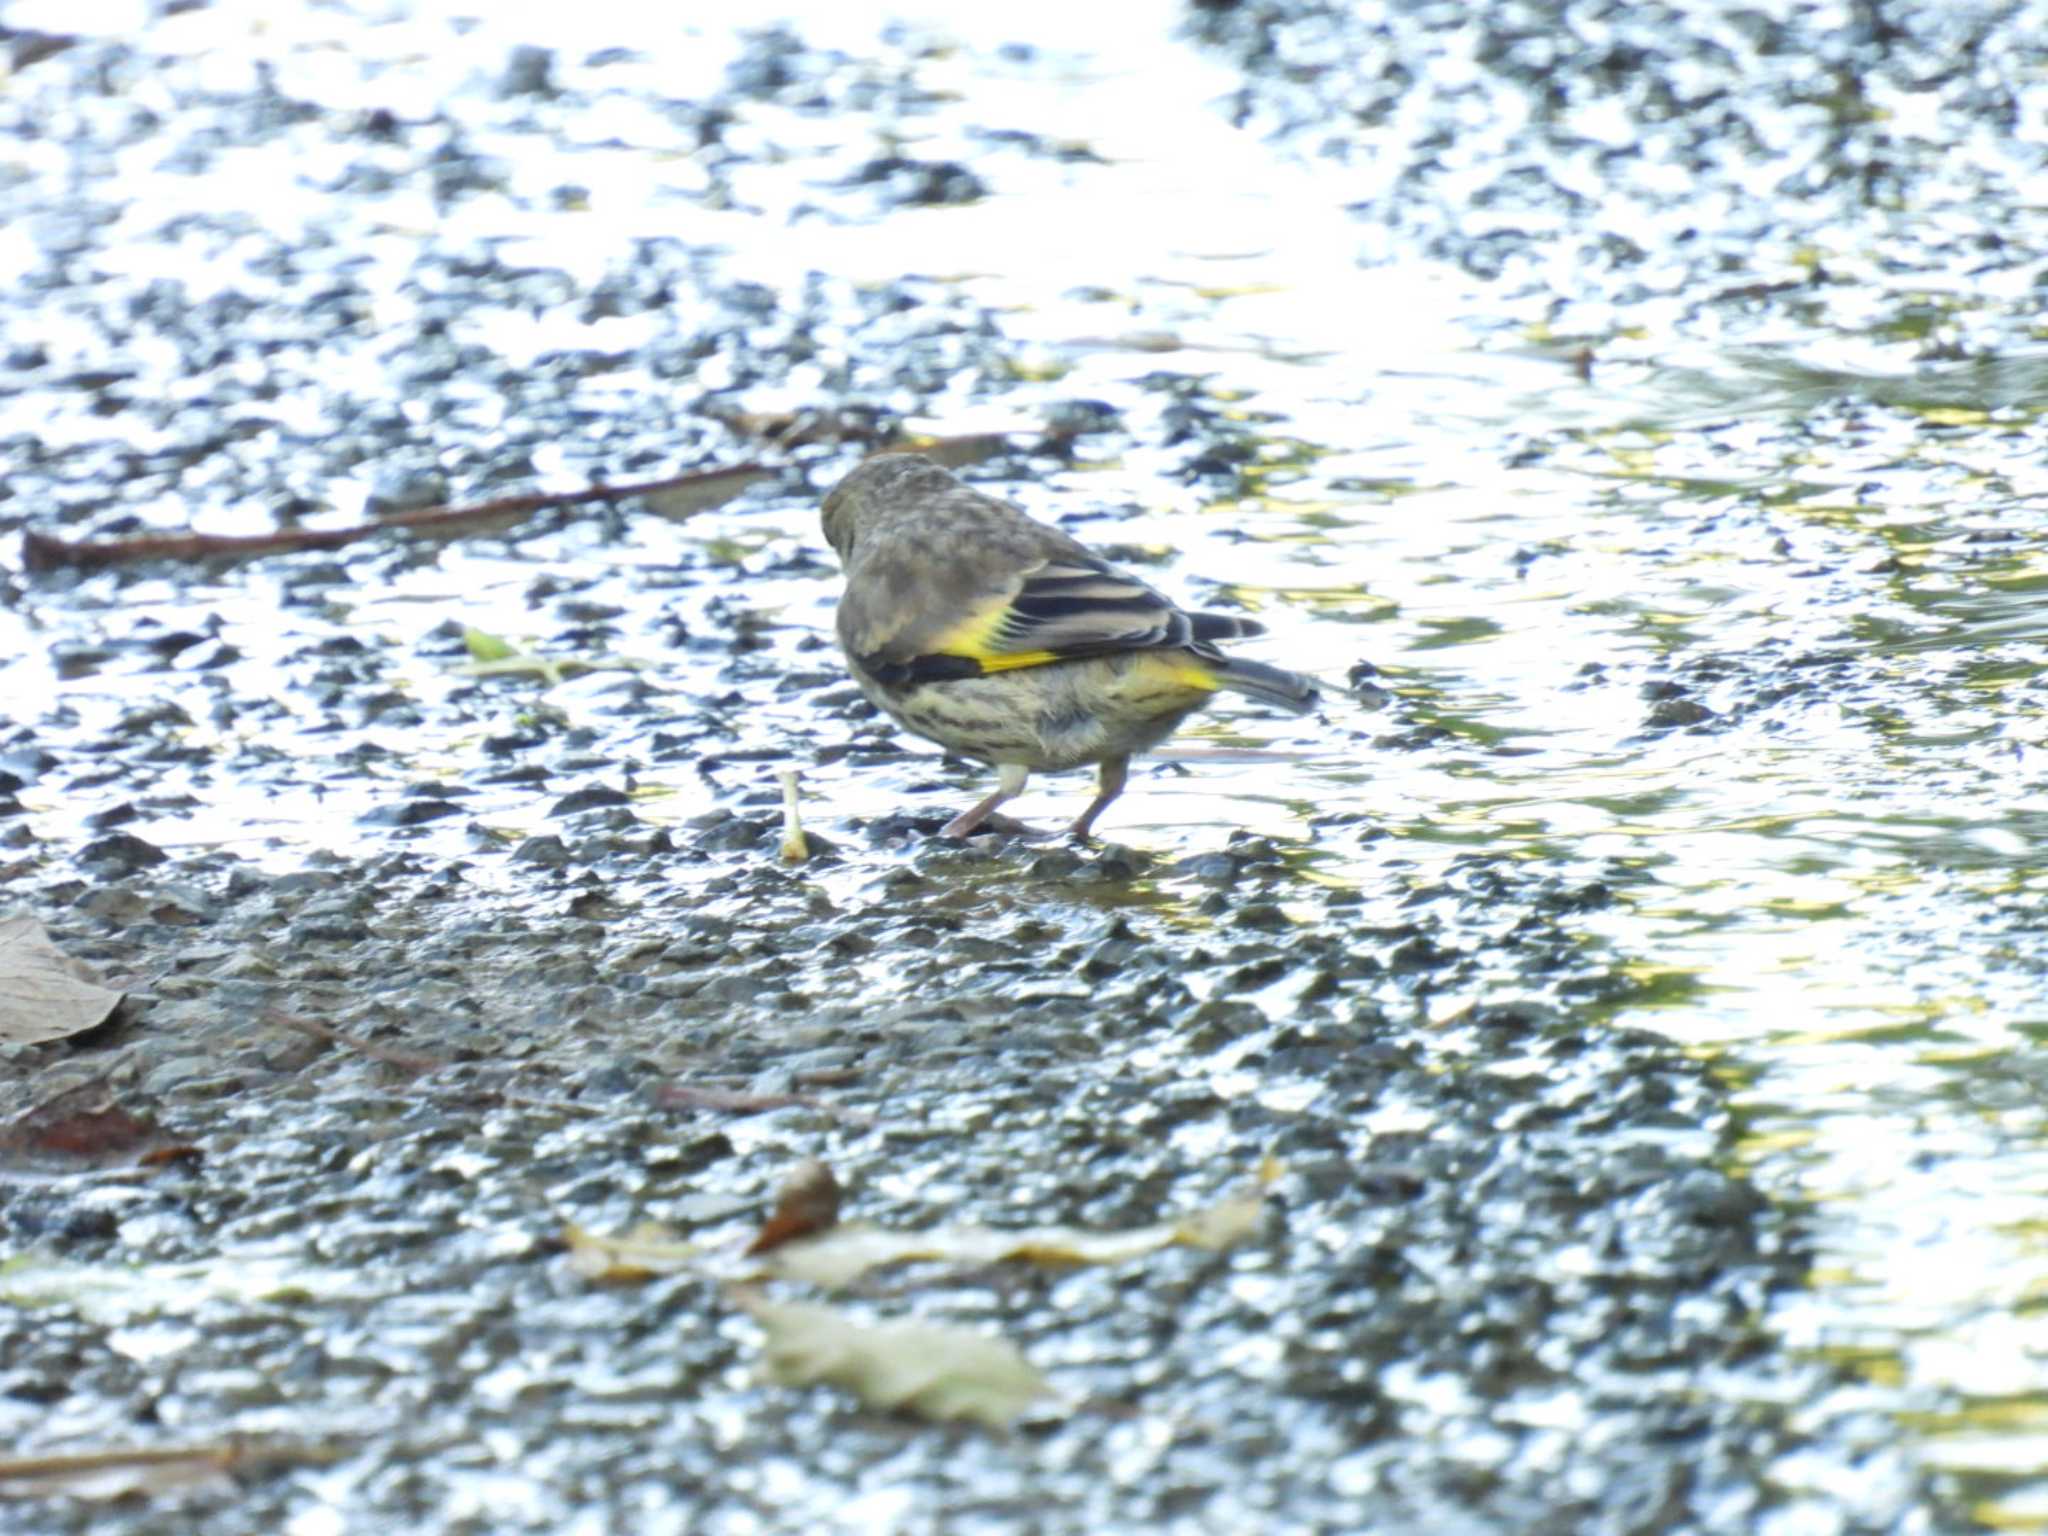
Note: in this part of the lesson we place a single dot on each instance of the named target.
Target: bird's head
(876, 487)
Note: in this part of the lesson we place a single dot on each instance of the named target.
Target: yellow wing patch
(978, 637)
(1014, 659)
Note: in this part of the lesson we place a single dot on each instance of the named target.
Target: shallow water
(1731, 607)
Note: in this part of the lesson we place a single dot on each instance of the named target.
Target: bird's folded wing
(1058, 610)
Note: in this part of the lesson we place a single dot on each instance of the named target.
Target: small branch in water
(678, 496)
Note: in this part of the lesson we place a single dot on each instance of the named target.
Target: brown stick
(234, 1452)
(390, 1055)
(683, 494)
(222, 1456)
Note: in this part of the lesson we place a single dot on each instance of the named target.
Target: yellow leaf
(487, 647)
(921, 1368)
(649, 1249)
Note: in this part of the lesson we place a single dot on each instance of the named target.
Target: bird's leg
(1109, 783)
(1008, 787)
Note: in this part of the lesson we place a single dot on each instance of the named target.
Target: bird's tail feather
(1224, 626)
(1269, 685)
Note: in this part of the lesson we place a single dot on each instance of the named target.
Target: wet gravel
(1517, 1275)
(1498, 1232)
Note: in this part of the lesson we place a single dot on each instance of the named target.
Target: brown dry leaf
(648, 1250)
(83, 1128)
(42, 996)
(808, 1203)
(920, 1368)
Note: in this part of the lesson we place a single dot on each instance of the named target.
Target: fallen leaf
(1223, 1225)
(808, 1203)
(492, 656)
(844, 1253)
(42, 996)
(648, 1250)
(931, 1371)
(83, 1128)
(483, 646)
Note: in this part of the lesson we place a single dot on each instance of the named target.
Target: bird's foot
(994, 821)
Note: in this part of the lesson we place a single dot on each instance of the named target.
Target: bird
(1004, 640)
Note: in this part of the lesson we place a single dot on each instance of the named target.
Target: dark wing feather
(1080, 606)
(1065, 608)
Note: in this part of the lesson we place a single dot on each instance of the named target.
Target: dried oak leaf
(42, 996)
(83, 1128)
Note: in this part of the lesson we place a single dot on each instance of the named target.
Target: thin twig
(236, 1452)
(45, 552)
(410, 1061)
(79, 1462)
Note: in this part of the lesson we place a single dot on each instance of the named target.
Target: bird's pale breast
(1053, 717)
